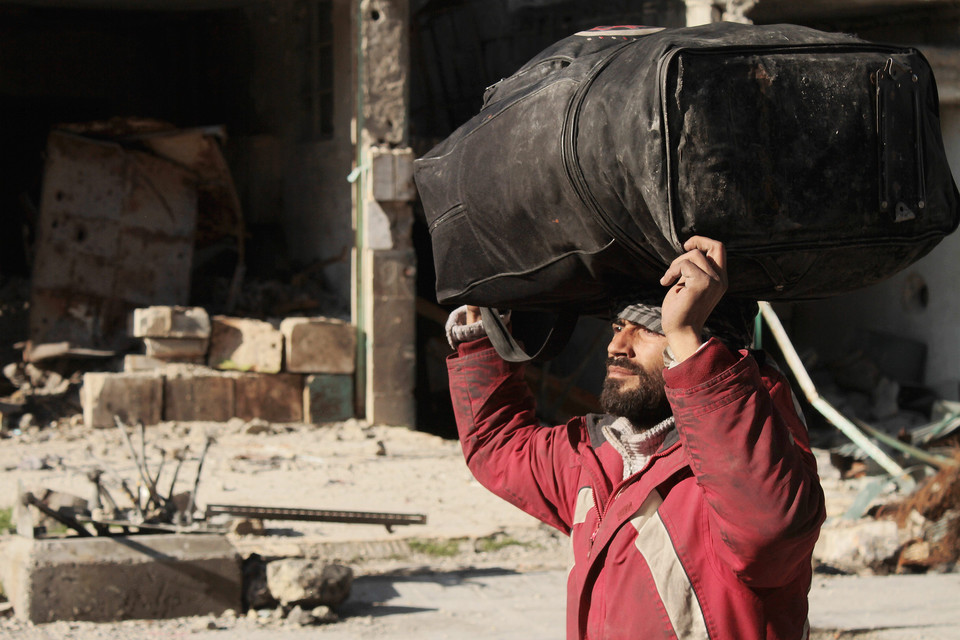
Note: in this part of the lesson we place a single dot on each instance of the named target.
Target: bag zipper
(568, 154)
(446, 215)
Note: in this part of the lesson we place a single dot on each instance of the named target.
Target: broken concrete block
(392, 175)
(275, 398)
(171, 322)
(181, 349)
(319, 345)
(858, 546)
(327, 398)
(243, 344)
(132, 397)
(102, 578)
(203, 396)
(308, 583)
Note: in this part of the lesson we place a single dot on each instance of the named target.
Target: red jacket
(712, 539)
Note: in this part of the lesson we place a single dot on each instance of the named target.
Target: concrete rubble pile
(889, 529)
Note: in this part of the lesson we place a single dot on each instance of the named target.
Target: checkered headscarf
(731, 322)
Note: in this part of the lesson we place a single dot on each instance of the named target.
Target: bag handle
(511, 351)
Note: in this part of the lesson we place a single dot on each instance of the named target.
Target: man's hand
(697, 281)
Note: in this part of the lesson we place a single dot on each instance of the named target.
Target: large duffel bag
(816, 157)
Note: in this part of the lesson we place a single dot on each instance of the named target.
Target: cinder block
(319, 345)
(171, 322)
(181, 349)
(243, 344)
(327, 398)
(198, 396)
(272, 397)
(116, 578)
(138, 362)
(133, 397)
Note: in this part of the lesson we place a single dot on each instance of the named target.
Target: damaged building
(253, 159)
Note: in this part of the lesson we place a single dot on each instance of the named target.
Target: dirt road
(504, 575)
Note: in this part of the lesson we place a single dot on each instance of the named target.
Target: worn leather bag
(815, 157)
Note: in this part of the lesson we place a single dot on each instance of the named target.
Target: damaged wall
(291, 172)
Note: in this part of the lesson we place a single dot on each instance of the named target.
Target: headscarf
(732, 321)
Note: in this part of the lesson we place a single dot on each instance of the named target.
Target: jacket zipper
(601, 513)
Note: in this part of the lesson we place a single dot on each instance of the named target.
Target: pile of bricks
(212, 369)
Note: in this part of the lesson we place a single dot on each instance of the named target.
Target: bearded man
(694, 504)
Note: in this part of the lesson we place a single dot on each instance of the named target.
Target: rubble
(245, 344)
(308, 583)
(929, 521)
(319, 345)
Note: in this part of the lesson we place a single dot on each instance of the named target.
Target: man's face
(634, 386)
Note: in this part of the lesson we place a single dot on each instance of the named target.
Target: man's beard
(643, 405)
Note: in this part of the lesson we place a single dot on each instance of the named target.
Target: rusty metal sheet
(116, 231)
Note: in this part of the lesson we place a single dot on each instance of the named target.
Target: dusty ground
(344, 466)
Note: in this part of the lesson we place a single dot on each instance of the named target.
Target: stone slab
(125, 577)
(182, 349)
(319, 345)
(171, 322)
(202, 396)
(327, 398)
(244, 344)
(132, 397)
(272, 397)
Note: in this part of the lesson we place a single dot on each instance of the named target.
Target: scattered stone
(27, 421)
(256, 593)
(859, 546)
(308, 583)
(38, 463)
(300, 617)
(247, 527)
(324, 614)
(205, 624)
(6, 609)
(257, 426)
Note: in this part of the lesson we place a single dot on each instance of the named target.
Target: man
(693, 509)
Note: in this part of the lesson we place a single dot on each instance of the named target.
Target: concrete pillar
(384, 295)
(703, 12)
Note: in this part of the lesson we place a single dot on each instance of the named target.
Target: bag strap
(511, 351)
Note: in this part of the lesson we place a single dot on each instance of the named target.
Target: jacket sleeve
(506, 449)
(750, 454)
